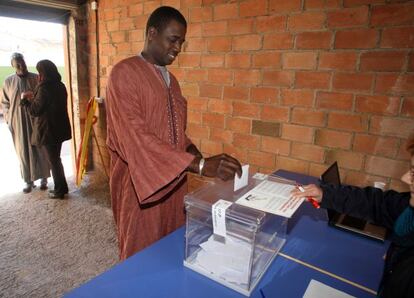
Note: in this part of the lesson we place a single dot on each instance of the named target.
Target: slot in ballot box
(227, 242)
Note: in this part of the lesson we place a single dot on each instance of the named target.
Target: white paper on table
(272, 197)
(243, 180)
(317, 289)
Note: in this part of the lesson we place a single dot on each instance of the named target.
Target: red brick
(246, 141)
(195, 45)
(135, 35)
(246, 109)
(195, 75)
(219, 106)
(385, 167)
(261, 159)
(190, 89)
(314, 40)
(266, 59)
(278, 41)
(299, 60)
(349, 122)
(307, 152)
(334, 101)
(150, 6)
(356, 39)
(187, 3)
(247, 42)
(236, 152)
(212, 60)
(375, 145)
(347, 160)
(408, 107)
(189, 60)
(126, 24)
(395, 84)
(398, 38)
(308, 117)
(264, 95)
(397, 14)
(316, 170)
(219, 44)
(411, 62)
(210, 147)
(320, 4)
(201, 14)
(197, 131)
(195, 30)
(194, 117)
(348, 17)
(238, 93)
(241, 26)
(312, 79)
(290, 164)
(352, 3)
(238, 60)
(226, 11)
(277, 78)
(275, 145)
(297, 97)
(278, 6)
(275, 113)
(246, 77)
(333, 139)
(238, 125)
(297, 133)
(306, 21)
(352, 81)
(118, 36)
(214, 28)
(398, 127)
(213, 120)
(270, 23)
(197, 104)
(213, 91)
(338, 60)
(220, 76)
(252, 8)
(382, 61)
(221, 135)
(112, 26)
(377, 104)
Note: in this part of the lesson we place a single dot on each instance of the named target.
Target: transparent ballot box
(239, 255)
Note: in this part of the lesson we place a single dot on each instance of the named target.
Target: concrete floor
(48, 247)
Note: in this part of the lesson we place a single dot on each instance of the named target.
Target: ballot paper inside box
(239, 257)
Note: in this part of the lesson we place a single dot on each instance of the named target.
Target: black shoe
(64, 192)
(43, 184)
(54, 195)
(29, 187)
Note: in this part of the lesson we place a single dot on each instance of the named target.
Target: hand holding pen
(311, 192)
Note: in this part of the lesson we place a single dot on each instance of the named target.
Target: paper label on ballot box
(218, 212)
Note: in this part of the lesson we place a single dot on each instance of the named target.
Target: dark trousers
(58, 174)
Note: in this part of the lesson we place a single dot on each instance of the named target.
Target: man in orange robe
(150, 152)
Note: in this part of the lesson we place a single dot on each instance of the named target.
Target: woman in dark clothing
(391, 209)
(51, 124)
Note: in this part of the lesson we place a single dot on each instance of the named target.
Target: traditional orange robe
(146, 123)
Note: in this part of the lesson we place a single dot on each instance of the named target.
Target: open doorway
(36, 41)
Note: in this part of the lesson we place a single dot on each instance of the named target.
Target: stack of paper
(229, 260)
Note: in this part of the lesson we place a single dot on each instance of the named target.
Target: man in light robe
(150, 152)
(33, 161)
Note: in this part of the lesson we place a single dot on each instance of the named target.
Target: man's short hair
(160, 18)
(16, 56)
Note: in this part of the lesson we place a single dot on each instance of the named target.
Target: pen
(311, 200)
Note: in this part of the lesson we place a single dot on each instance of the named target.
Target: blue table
(158, 271)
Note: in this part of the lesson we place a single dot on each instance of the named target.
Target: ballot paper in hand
(273, 197)
(228, 260)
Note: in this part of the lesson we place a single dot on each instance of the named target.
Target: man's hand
(310, 190)
(222, 166)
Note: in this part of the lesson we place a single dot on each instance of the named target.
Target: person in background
(150, 152)
(33, 162)
(391, 209)
(48, 106)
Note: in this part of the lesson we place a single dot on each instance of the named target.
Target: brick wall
(292, 84)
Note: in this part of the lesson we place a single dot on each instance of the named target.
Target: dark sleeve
(368, 203)
(37, 106)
